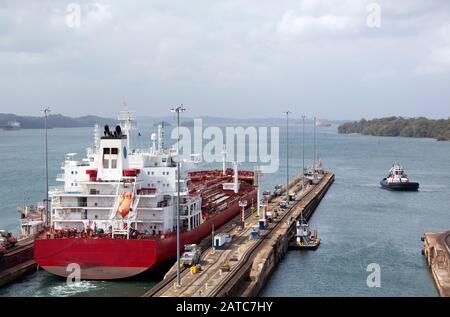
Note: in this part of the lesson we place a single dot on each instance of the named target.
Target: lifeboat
(125, 204)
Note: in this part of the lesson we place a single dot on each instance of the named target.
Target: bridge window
(110, 154)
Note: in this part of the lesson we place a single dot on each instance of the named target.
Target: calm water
(359, 223)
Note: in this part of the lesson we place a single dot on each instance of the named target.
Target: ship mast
(177, 110)
(161, 136)
(127, 122)
(96, 138)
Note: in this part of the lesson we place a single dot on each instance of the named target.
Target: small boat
(398, 180)
(304, 238)
(12, 126)
(320, 124)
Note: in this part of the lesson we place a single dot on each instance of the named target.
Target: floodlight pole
(46, 111)
(287, 154)
(177, 110)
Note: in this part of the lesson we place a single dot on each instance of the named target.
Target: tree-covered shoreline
(399, 126)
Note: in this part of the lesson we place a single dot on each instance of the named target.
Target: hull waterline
(110, 259)
(410, 186)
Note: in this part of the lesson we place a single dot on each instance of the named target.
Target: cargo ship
(12, 125)
(115, 216)
(321, 124)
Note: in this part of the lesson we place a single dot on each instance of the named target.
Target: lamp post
(303, 151)
(258, 174)
(46, 111)
(287, 154)
(177, 110)
(243, 204)
(266, 203)
(212, 228)
(314, 151)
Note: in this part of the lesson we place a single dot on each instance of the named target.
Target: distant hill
(54, 121)
(187, 121)
(399, 126)
(60, 121)
(163, 123)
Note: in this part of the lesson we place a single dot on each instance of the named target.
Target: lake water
(359, 223)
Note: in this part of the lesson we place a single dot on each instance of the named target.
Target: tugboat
(398, 180)
(304, 238)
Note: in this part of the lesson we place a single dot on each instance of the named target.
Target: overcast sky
(248, 58)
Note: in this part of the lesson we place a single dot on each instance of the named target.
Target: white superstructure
(115, 188)
(397, 175)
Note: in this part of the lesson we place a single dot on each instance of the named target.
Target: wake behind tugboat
(398, 180)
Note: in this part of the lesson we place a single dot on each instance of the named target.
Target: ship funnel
(118, 131)
(107, 131)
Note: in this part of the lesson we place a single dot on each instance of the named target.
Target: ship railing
(29, 219)
(147, 192)
(184, 212)
(60, 177)
(119, 228)
(146, 217)
(82, 204)
(73, 163)
(56, 189)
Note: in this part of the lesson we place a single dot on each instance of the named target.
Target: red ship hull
(106, 258)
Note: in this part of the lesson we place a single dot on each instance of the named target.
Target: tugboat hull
(409, 186)
(296, 246)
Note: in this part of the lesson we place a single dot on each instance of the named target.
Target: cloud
(292, 23)
(438, 59)
(321, 18)
(234, 57)
(378, 75)
(98, 12)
